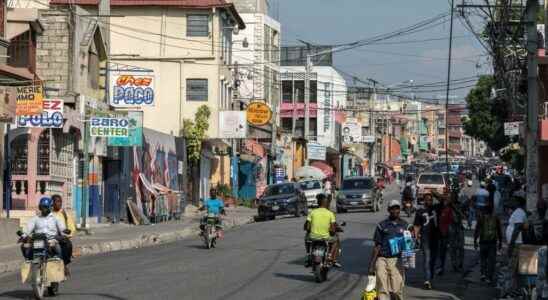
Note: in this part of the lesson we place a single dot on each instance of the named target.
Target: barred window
(196, 90)
(197, 25)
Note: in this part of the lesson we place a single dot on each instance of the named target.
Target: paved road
(257, 261)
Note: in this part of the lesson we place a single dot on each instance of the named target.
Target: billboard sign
(352, 131)
(130, 89)
(135, 134)
(316, 151)
(109, 127)
(30, 100)
(51, 116)
(511, 128)
(7, 104)
(232, 124)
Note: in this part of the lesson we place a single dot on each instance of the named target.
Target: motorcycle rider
(214, 207)
(322, 225)
(408, 194)
(44, 223)
(65, 242)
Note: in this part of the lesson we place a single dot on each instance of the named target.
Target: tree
(486, 115)
(195, 132)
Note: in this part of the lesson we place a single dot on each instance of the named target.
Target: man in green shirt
(321, 225)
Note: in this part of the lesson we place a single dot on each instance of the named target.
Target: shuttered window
(197, 25)
(196, 90)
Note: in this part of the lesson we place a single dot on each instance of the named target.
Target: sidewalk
(118, 237)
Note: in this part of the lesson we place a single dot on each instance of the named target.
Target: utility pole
(7, 171)
(531, 11)
(274, 132)
(85, 163)
(308, 71)
(447, 88)
(372, 128)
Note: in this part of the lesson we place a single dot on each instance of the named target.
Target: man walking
(426, 229)
(384, 262)
(489, 233)
(67, 220)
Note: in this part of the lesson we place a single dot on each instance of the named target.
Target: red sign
(544, 130)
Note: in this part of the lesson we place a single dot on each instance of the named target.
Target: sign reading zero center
(258, 113)
(109, 127)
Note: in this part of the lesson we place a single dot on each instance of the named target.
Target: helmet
(45, 202)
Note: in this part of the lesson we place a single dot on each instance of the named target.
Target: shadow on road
(27, 294)
(297, 277)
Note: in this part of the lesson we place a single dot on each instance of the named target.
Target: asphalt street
(257, 261)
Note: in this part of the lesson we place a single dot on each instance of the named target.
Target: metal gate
(246, 180)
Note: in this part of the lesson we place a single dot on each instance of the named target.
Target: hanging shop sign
(258, 113)
(30, 100)
(109, 127)
(132, 89)
(51, 116)
(511, 128)
(135, 134)
(7, 104)
(232, 124)
(351, 131)
(316, 151)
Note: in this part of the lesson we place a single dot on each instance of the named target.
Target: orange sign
(30, 100)
(258, 113)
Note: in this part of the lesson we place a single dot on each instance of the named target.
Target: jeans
(471, 215)
(488, 257)
(430, 254)
(444, 246)
(456, 246)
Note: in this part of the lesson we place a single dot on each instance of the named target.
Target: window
(287, 124)
(19, 163)
(287, 91)
(358, 184)
(197, 25)
(93, 67)
(196, 90)
(267, 43)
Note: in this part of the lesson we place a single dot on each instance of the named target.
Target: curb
(146, 240)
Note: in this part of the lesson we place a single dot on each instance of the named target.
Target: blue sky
(337, 21)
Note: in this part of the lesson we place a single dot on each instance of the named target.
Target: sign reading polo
(109, 127)
(132, 89)
(258, 113)
(51, 116)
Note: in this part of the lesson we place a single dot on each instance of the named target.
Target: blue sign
(132, 89)
(51, 116)
(135, 136)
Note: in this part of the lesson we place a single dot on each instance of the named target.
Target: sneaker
(483, 278)
(307, 262)
(427, 285)
(337, 265)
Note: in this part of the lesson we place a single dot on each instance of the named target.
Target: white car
(311, 188)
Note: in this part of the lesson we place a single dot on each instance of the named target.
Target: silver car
(311, 188)
(358, 192)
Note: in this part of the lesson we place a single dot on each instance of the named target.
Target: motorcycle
(45, 271)
(320, 256)
(211, 232)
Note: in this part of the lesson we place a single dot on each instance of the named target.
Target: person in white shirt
(44, 223)
(516, 226)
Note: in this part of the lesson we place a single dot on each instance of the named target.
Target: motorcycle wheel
(53, 289)
(318, 273)
(38, 286)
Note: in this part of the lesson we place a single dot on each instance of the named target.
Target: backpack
(488, 229)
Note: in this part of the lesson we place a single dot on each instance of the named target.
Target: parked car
(427, 183)
(358, 192)
(311, 188)
(282, 199)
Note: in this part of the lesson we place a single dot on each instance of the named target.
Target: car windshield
(431, 179)
(311, 185)
(357, 184)
(280, 189)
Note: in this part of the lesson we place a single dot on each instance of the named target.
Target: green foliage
(486, 117)
(195, 132)
(224, 190)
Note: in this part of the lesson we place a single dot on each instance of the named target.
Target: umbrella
(310, 172)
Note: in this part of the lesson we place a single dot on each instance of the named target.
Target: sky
(338, 21)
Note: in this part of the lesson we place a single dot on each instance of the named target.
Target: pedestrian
(489, 233)
(426, 229)
(517, 224)
(384, 262)
(456, 237)
(64, 241)
(446, 219)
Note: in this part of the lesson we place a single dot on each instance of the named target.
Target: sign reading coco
(109, 127)
(258, 113)
(133, 89)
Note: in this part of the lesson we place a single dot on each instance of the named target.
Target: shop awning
(326, 169)
(310, 172)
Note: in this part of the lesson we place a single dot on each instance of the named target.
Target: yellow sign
(258, 113)
(30, 100)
